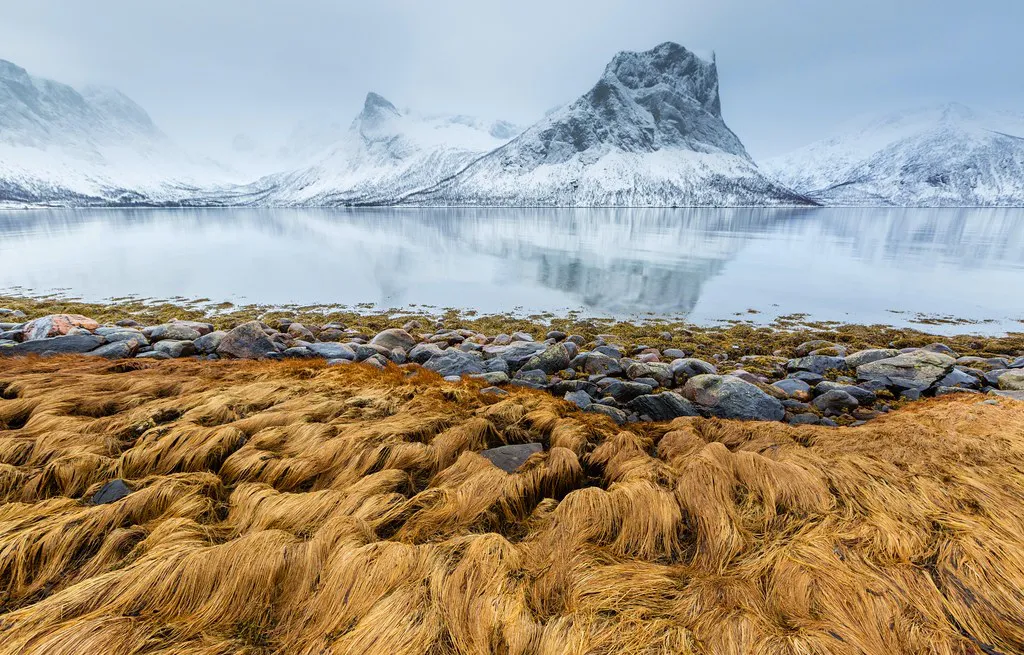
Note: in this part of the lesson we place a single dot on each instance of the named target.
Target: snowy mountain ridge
(385, 154)
(94, 146)
(945, 155)
(649, 133)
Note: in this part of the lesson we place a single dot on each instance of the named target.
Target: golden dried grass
(294, 508)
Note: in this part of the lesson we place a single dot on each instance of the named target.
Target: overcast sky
(791, 70)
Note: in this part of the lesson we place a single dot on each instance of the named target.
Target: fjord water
(853, 265)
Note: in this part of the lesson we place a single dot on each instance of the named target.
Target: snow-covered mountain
(649, 133)
(385, 154)
(88, 146)
(948, 155)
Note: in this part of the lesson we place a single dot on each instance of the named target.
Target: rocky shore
(818, 382)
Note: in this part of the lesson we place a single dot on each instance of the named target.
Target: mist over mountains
(650, 132)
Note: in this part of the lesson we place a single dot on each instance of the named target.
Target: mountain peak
(377, 107)
(11, 71)
(672, 68)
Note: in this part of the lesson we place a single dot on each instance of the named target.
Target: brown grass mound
(293, 508)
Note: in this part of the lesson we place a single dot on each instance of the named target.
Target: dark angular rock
(550, 361)
(116, 350)
(67, 345)
(863, 396)
(910, 394)
(804, 419)
(174, 348)
(579, 398)
(208, 343)
(663, 406)
(624, 391)
(611, 351)
(835, 402)
(959, 378)
(510, 458)
(111, 492)
(613, 413)
(808, 377)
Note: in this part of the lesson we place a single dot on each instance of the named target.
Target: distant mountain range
(948, 155)
(649, 133)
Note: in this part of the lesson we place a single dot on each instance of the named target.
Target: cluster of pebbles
(822, 384)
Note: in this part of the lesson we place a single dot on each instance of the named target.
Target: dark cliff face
(666, 97)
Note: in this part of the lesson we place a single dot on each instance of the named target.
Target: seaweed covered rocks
(816, 382)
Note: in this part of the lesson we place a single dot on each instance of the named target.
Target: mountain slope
(650, 132)
(94, 146)
(948, 155)
(385, 154)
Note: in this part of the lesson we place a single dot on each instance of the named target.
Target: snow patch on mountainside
(949, 155)
(650, 132)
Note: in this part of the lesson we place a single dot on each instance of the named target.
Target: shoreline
(656, 370)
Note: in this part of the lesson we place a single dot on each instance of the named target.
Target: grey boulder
(871, 355)
(247, 341)
(66, 345)
(819, 364)
(510, 458)
(918, 369)
(836, 401)
(554, 359)
(116, 350)
(683, 369)
(726, 396)
(332, 350)
(175, 331)
(455, 362)
(208, 343)
(394, 338)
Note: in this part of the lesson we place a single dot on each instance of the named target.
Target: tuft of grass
(292, 507)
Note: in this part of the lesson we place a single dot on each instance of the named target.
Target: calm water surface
(857, 265)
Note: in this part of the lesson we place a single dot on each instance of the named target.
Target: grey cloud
(792, 70)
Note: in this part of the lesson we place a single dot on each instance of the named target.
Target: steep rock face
(650, 132)
(948, 155)
(385, 154)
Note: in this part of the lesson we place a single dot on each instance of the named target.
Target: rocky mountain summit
(650, 132)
